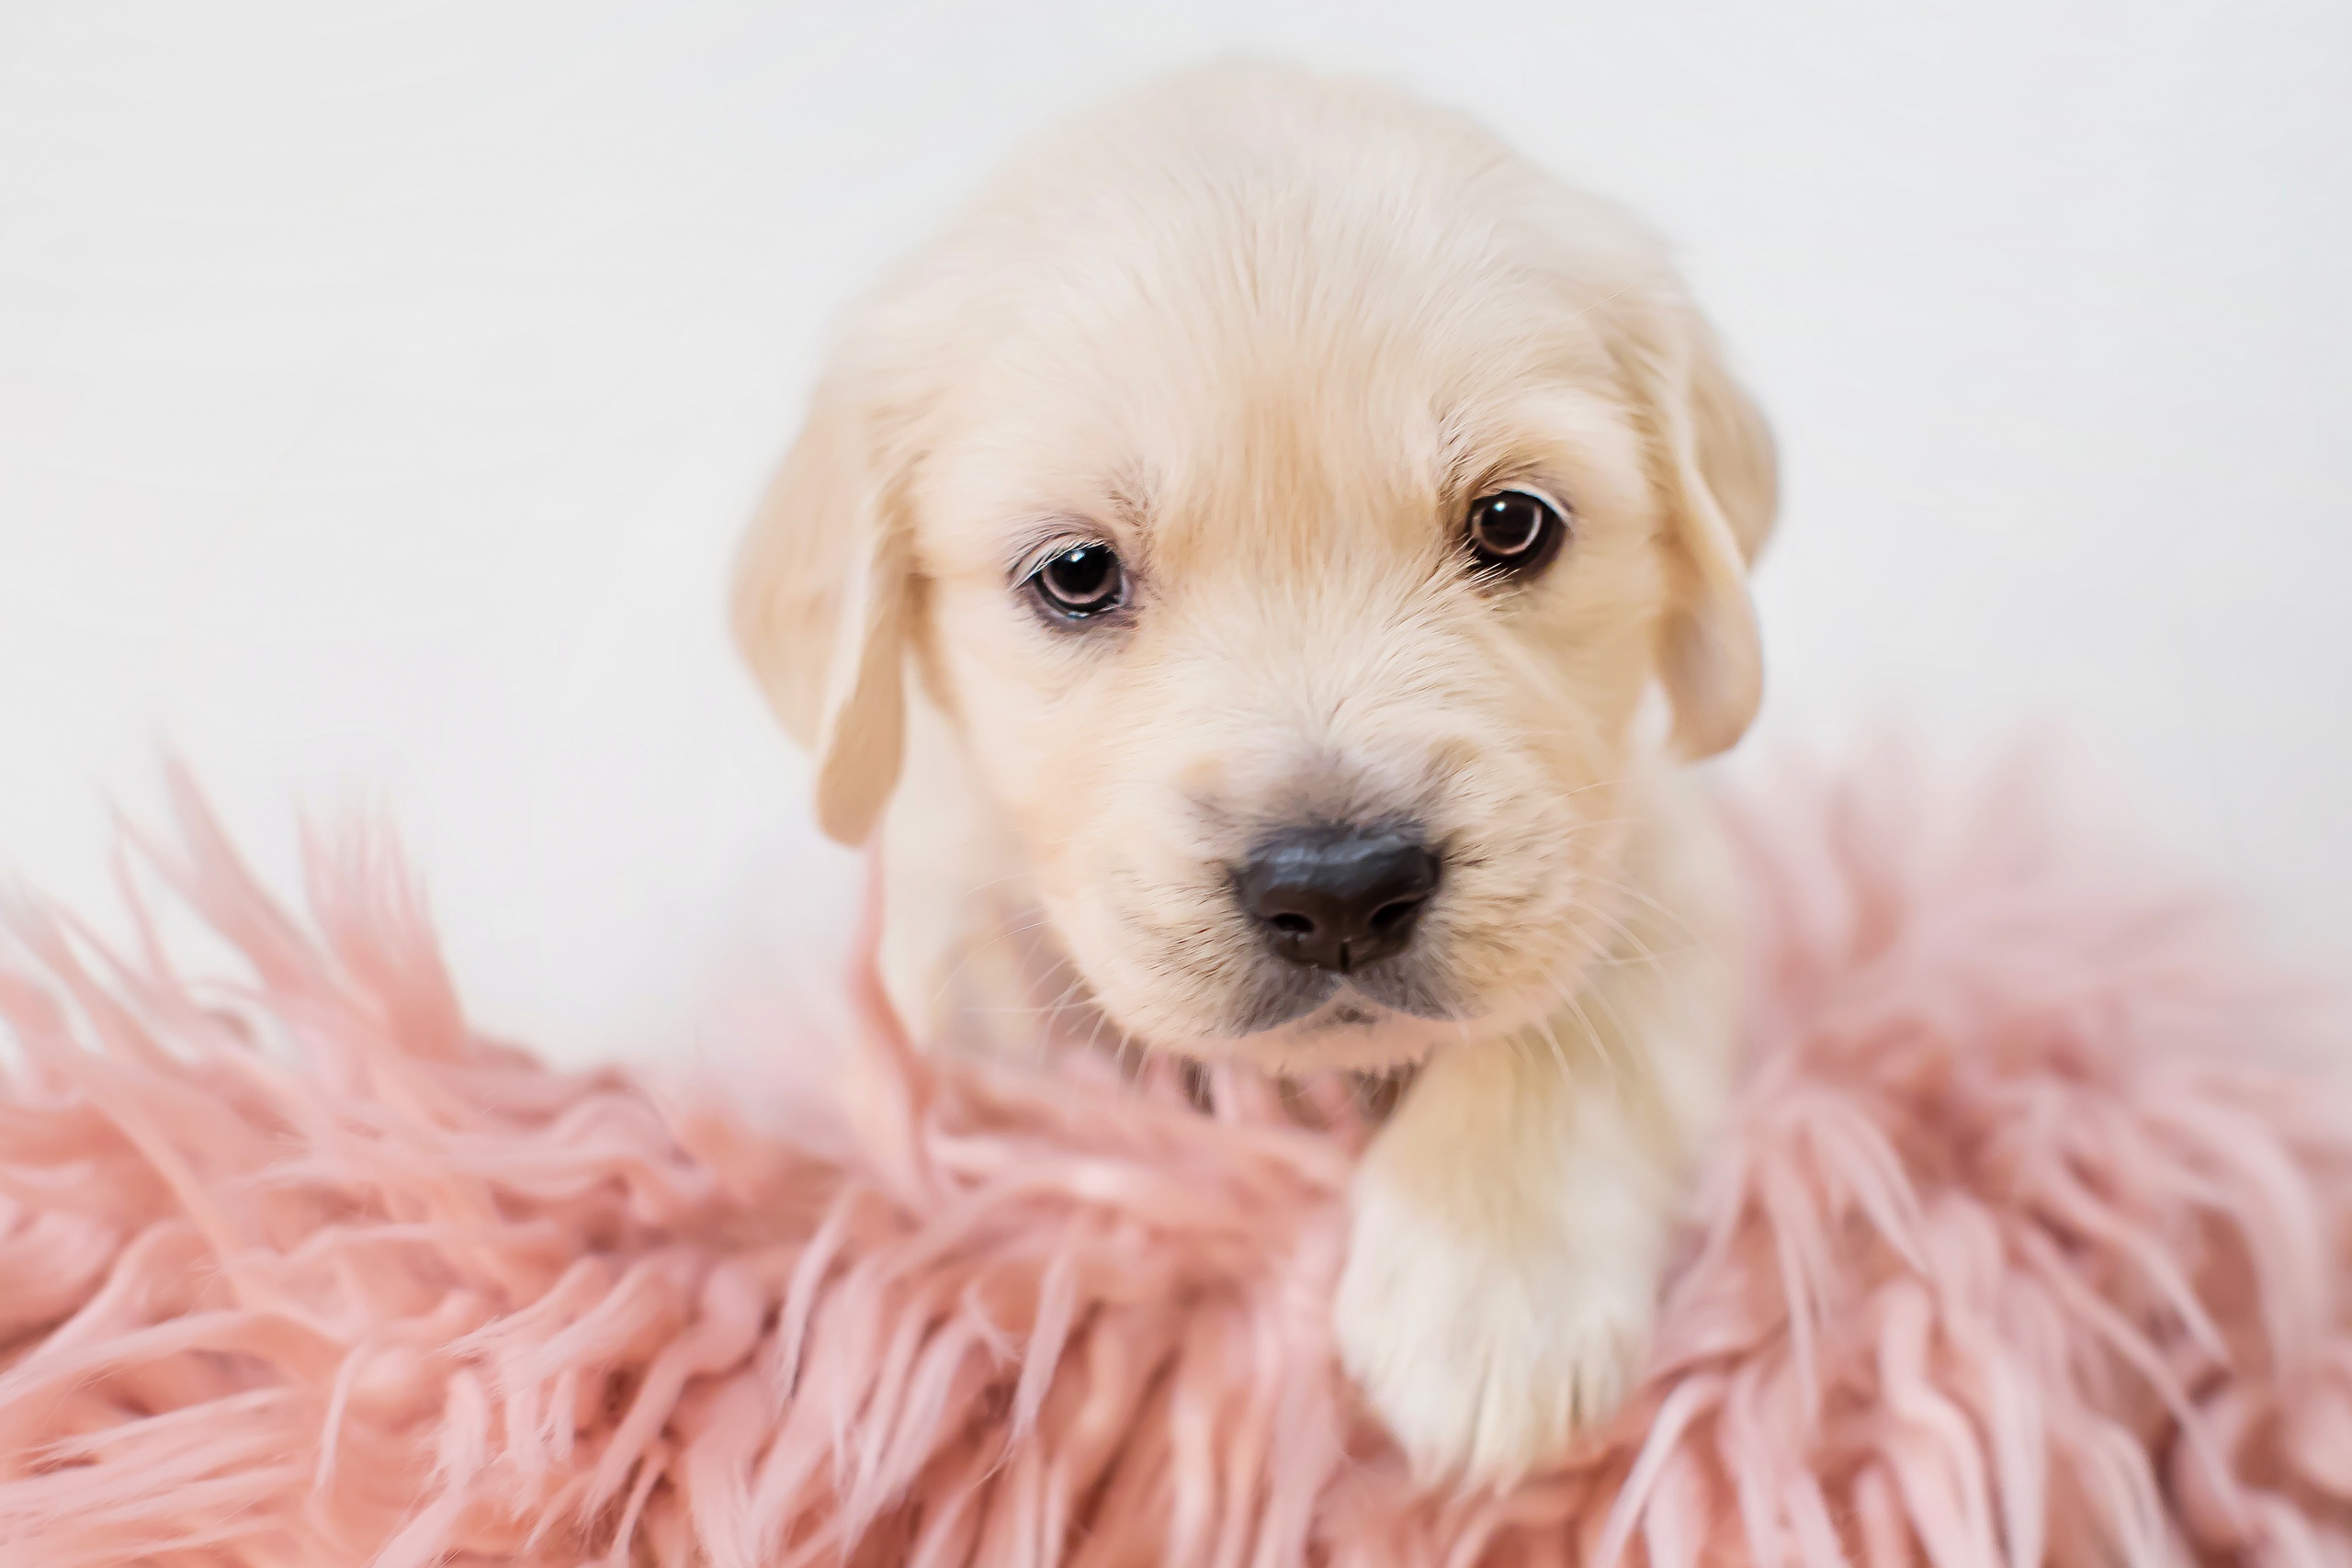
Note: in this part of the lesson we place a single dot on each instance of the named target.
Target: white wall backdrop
(381, 386)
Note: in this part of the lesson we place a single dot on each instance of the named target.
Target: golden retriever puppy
(1261, 569)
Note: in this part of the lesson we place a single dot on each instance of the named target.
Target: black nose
(1338, 897)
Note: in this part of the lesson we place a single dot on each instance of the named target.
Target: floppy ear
(1722, 487)
(820, 606)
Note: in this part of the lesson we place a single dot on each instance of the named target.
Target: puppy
(1261, 569)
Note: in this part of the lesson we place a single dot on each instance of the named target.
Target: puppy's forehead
(1350, 387)
(1312, 305)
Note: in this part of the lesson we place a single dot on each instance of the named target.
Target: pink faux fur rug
(2028, 1243)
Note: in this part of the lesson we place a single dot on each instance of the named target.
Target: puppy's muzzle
(1337, 899)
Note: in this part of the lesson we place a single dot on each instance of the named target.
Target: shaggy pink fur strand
(2028, 1243)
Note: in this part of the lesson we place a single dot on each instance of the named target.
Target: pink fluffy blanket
(2028, 1243)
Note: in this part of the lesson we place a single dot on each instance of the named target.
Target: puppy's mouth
(1366, 1021)
(1341, 1012)
(1345, 1031)
(1305, 1001)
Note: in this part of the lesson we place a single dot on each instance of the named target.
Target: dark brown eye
(1514, 533)
(1081, 580)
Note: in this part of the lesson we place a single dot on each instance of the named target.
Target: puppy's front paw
(1483, 1361)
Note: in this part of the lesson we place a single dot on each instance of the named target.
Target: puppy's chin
(1348, 1033)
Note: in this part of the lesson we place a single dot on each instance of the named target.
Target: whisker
(1609, 1059)
(1560, 1052)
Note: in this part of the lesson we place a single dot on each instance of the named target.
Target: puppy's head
(1291, 498)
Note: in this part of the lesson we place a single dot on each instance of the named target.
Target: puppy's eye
(1514, 533)
(1081, 581)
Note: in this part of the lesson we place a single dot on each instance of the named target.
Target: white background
(382, 385)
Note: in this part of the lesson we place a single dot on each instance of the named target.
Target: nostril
(1292, 925)
(1389, 917)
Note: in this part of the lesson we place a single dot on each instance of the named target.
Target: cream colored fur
(1269, 335)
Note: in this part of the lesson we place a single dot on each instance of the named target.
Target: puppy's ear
(822, 585)
(1721, 480)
